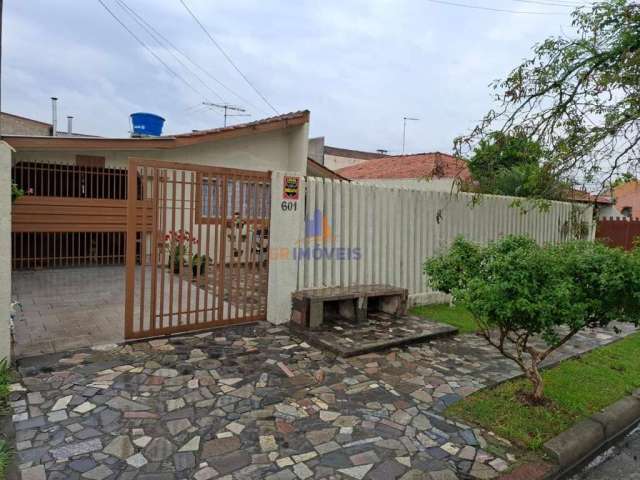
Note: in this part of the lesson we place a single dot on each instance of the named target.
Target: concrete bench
(312, 308)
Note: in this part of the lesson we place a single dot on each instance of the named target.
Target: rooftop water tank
(146, 125)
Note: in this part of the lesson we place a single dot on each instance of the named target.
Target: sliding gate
(204, 261)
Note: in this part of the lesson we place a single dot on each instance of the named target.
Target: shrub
(517, 290)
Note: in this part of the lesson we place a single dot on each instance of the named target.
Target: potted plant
(178, 245)
(199, 264)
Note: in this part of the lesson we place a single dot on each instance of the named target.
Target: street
(620, 462)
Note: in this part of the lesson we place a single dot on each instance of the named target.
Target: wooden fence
(619, 232)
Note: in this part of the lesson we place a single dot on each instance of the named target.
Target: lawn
(5, 380)
(455, 316)
(576, 388)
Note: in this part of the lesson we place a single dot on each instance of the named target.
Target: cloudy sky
(359, 66)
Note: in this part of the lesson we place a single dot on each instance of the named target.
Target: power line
(491, 9)
(559, 3)
(187, 57)
(217, 45)
(153, 34)
(171, 70)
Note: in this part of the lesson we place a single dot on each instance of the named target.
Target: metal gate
(204, 261)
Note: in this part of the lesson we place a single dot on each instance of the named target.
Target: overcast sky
(359, 66)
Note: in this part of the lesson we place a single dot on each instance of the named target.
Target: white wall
(395, 230)
(5, 249)
(433, 185)
(334, 162)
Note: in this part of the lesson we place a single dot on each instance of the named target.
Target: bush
(517, 290)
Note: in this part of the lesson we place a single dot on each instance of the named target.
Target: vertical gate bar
(130, 250)
(233, 219)
(172, 254)
(248, 243)
(217, 219)
(163, 229)
(154, 249)
(143, 248)
(265, 275)
(206, 217)
(190, 251)
(238, 252)
(198, 214)
(182, 232)
(223, 245)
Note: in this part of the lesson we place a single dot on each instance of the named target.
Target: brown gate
(204, 262)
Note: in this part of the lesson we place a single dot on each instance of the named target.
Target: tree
(518, 291)
(512, 164)
(578, 96)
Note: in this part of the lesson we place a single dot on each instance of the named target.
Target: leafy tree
(578, 96)
(622, 179)
(518, 291)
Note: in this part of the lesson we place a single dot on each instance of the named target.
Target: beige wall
(277, 150)
(5, 249)
(15, 125)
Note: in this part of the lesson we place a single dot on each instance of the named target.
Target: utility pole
(227, 107)
(404, 129)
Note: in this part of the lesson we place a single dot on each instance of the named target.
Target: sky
(359, 66)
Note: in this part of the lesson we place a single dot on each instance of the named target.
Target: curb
(576, 446)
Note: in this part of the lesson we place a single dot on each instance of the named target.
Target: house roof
(583, 196)
(419, 165)
(171, 141)
(315, 169)
(348, 153)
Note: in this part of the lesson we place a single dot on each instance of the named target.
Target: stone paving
(255, 402)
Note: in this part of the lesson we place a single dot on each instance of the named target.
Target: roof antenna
(228, 107)
(404, 129)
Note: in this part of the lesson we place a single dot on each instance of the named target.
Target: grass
(575, 388)
(5, 380)
(443, 313)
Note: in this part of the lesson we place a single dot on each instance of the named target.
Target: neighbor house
(424, 171)
(335, 158)
(627, 197)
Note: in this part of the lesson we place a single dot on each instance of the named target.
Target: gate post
(5, 250)
(286, 233)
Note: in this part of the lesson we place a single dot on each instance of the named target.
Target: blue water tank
(146, 124)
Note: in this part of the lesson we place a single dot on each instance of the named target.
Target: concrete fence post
(5, 249)
(286, 235)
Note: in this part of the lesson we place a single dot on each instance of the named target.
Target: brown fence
(619, 232)
(70, 215)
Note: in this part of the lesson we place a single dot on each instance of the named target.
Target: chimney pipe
(54, 116)
(69, 124)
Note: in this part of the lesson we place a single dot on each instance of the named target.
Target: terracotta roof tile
(419, 165)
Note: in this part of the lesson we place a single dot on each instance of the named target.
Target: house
(627, 197)
(424, 171)
(335, 158)
(604, 205)
(11, 124)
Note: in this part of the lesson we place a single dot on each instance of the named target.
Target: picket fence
(371, 234)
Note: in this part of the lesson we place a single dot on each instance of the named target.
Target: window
(249, 199)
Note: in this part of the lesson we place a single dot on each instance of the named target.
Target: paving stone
(77, 449)
(137, 460)
(159, 449)
(206, 473)
(356, 472)
(120, 447)
(99, 473)
(220, 446)
(177, 426)
(61, 403)
(36, 472)
(302, 471)
(192, 445)
(184, 461)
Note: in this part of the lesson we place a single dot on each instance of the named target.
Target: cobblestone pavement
(254, 402)
(620, 462)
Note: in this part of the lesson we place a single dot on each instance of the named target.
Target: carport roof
(279, 122)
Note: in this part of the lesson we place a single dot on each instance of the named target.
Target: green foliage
(16, 192)
(575, 388)
(453, 315)
(576, 96)
(622, 179)
(516, 289)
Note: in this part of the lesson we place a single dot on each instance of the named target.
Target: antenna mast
(228, 107)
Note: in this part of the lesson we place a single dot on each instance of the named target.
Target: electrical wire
(560, 3)
(136, 18)
(156, 56)
(229, 59)
(187, 57)
(491, 9)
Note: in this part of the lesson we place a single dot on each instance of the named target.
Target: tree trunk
(533, 374)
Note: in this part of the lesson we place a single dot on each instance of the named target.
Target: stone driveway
(254, 402)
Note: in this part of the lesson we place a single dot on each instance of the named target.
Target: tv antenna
(404, 129)
(227, 108)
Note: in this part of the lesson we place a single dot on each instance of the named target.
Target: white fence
(361, 234)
